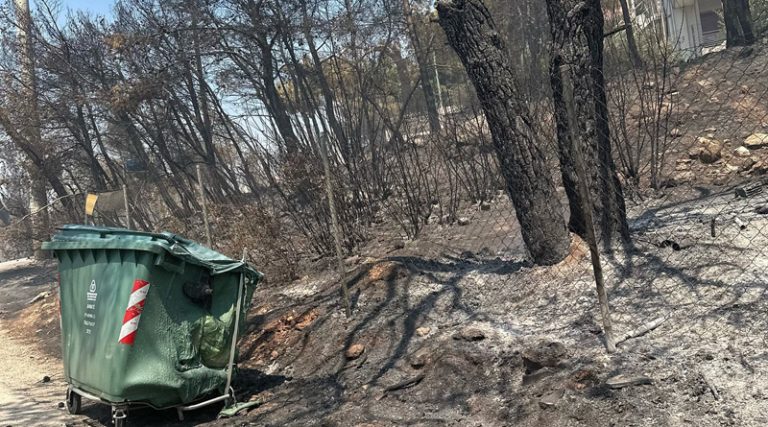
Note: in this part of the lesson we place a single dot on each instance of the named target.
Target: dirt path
(24, 398)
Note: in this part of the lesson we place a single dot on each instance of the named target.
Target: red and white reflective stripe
(133, 312)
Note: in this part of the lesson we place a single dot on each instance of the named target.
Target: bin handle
(169, 237)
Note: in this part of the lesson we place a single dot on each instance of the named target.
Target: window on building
(710, 27)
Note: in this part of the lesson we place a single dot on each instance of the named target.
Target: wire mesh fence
(697, 238)
(688, 138)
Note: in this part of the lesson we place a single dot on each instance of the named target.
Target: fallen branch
(41, 296)
(711, 386)
(642, 330)
(618, 29)
(742, 225)
(410, 382)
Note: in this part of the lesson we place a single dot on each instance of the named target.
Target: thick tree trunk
(274, 103)
(31, 129)
(733, 35)
(404, 82)
(328, 98)
(744, 14)
(577, 33)
(472, 34)
(634, 53)
(422, 58)
(739, 29)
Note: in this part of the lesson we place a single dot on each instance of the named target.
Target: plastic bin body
(130, 331)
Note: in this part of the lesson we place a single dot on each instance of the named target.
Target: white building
(692, 27)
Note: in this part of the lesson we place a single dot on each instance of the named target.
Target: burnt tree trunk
(36, 168)
(472, 34)
(577, 33)
(744, 14)
(422, 60)
(739, 29)
(634, 53)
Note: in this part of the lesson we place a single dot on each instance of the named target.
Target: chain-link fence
(436, 218)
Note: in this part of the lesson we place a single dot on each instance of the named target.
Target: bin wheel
(232, 399)
(74, 402)
(119, 415)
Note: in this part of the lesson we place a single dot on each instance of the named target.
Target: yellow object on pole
(90, 203)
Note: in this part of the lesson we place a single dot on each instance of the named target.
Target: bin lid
(79, 237)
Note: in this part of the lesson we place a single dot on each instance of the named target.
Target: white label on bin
(91, 295)
(89, 320)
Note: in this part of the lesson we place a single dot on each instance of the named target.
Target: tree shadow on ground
(386, 315)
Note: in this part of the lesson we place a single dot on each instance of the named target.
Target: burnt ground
(457, 328)
(483, 339)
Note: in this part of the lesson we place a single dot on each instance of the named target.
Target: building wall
(684, 25)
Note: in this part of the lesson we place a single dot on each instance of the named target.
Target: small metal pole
(233, 346)
(437, 83)
(201, 185)
(597, 267)
(127, 206)
(335, 229)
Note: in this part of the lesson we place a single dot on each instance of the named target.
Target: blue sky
(97, 7)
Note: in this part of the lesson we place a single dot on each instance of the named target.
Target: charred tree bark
(422, 58)
(634, 53)
(38, 198)
(739, 29)
(404, 82)
(272, 100)
(472, 34)
(577, 33)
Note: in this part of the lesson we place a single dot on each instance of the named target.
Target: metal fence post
(597, 267)
(201, 186)
(127, 206)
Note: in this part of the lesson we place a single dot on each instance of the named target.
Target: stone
(543, 354)
(676, 133)
(762, 210)
(756, 140)
(621, 381)
(741, 152)
(682, 177)
(398, 244)
(540, 374)
(550, 399)
(462, 221)
(748, 163)
(354, 351)
(423, 331)
(470, 333)
(711, 150)
(695, 152)
(419, 359)
(760, 168)
(721, 180)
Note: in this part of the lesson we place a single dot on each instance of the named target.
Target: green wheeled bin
(148, 318)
